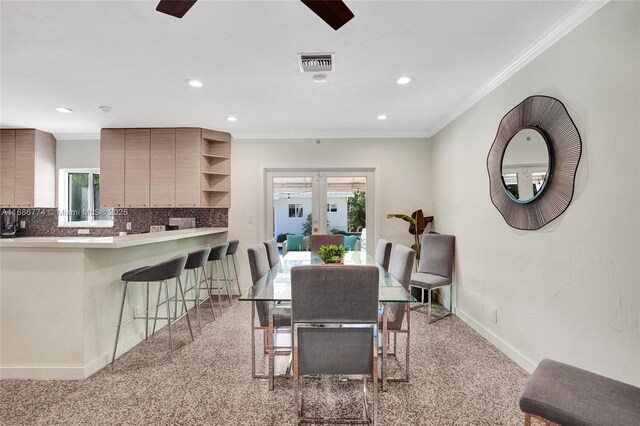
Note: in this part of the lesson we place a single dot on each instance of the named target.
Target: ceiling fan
(333, 12)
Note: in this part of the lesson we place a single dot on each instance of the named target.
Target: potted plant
(417, 224)
(332, 253)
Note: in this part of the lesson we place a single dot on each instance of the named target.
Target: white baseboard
(42, 373)
(516, 356)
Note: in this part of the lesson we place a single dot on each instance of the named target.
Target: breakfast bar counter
(60, 298)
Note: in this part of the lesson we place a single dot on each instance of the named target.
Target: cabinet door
(163, 168)
(45, 170)
(188, 159)
(7, 167)
(25, 168)
(112, 168)
(136, 167)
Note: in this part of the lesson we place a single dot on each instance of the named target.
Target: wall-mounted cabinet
(165, 167)
(27, 168)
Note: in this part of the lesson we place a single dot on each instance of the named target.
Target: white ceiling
(82, 54)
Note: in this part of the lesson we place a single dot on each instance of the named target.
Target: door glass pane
(78, 207)
(346, 205)
(292, 206)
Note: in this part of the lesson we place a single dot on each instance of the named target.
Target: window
(332, 208)
(295, 210)
(79, 196)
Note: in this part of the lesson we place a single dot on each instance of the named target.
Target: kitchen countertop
(106, 242)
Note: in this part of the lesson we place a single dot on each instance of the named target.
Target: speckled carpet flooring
(457, 378)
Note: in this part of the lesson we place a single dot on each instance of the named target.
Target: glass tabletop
(276, 285)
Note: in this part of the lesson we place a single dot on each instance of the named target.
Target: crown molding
(572, 19)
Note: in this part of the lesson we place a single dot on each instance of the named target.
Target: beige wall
(570, 291)
(401, 178)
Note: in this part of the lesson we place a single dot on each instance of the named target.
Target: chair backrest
(350, 242)
(258, 262)
(383, 253)
(233, 246)
(272, 252)
(400, 267)
(334, 295)
(259, 265)
(219, 251)
(436, 254)
(197, 258)
(318, 240)
(296, 243)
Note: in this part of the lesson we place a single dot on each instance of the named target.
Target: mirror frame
(550, 118)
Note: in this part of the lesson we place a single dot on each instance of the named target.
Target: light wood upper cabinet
(188, 160)
(136, 167)
(112, 168)
(7, 167)
(27, 168)
(163, 168)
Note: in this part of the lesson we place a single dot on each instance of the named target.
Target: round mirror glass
(525, 165)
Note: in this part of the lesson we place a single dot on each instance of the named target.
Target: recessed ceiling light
(381, 117)
(232, 118)
(63, 109)
(320, 78)
(194, 83)
(405, 79)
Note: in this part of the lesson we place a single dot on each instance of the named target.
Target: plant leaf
(401, 216)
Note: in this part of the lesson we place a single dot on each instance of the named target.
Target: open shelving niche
(216, 169)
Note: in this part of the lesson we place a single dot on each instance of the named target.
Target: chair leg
(124, 296)
(184, 305)
(146, 319)
(219, 289)
(206, 281)
(155, 320)
(196, 298)
(235, 270)
(166, 294)
(527, 419)
(226, 282)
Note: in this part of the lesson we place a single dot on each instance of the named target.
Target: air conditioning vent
(316, 62)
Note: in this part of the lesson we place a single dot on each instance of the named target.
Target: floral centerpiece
(332, 253)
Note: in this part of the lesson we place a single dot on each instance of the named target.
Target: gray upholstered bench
(558, 393)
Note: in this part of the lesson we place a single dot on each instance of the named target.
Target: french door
(320, 201)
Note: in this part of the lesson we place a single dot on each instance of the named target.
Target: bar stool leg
(226, 281)
(175, 304)
(146, 316)
(184, 305)
(153, 332)
(235, 270)
(197, 297)
(124, 296)
(166, 294)
(219, 289)
(206, 281)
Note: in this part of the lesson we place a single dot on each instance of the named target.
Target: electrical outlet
(494, 314)
(83, 232)
(250, 219)
(128, 226)
(23, 224)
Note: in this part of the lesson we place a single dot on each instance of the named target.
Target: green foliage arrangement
(332, 253)
(356, 214)
(417, 224)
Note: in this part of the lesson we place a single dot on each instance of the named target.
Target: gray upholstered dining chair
(318, 240)
(435, 269)
(269, 317)
(272, 253)
(400, 268)
(383, 253)
(334, 315)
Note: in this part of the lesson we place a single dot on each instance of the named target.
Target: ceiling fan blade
(333, 12)
(175, 8)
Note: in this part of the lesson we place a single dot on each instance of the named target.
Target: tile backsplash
(44, 222)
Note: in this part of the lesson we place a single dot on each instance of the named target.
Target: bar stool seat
(216, 259)
(160, 272)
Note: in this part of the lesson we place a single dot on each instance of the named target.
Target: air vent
(316, 62)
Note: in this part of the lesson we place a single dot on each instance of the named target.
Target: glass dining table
(275, 287)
